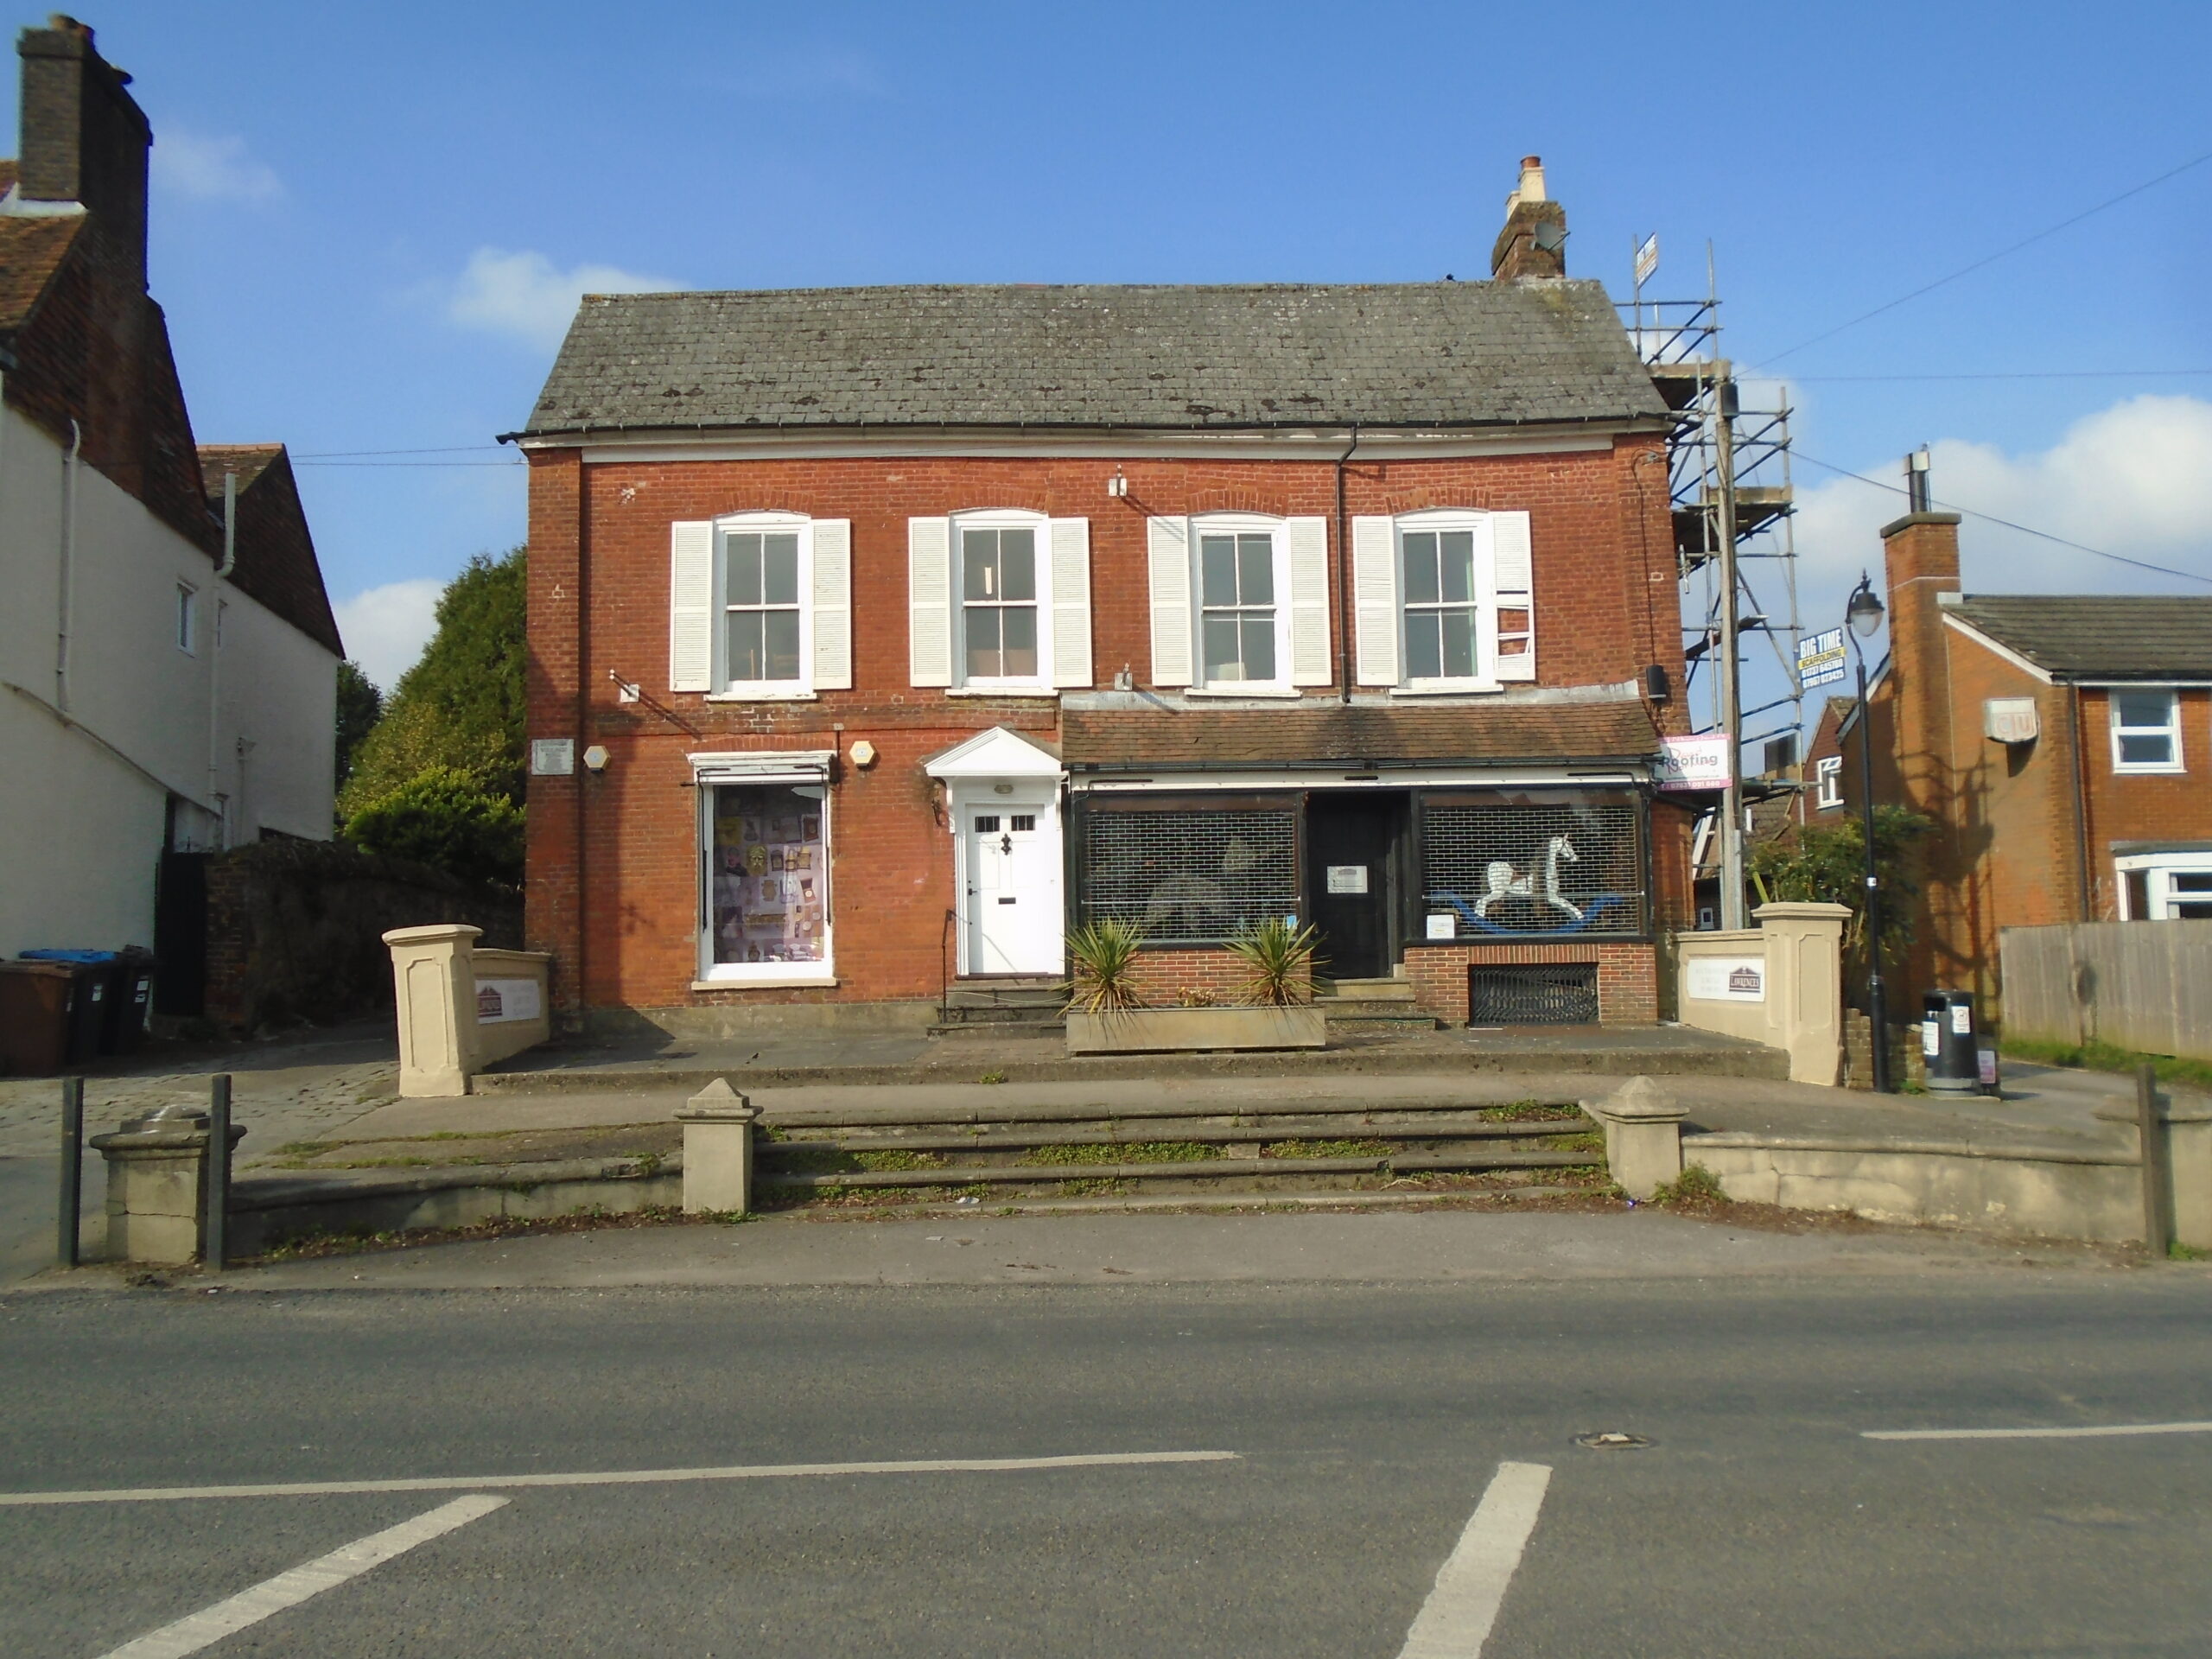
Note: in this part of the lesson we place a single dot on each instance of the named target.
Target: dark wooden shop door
(1352, 843)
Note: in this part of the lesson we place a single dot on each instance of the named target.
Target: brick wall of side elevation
(612, 857)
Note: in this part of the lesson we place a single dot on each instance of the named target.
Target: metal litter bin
(1950, 1045)
(36, 1001)
(88, 1019)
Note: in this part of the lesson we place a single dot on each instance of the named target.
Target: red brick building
(2062, 743)
(878, 637)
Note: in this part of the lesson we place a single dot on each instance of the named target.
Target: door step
(1371, 1005)
(1009, 1006)
(1365, 990)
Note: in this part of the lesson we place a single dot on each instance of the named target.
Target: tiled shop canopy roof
(1413, 354)
(2079, 636)
(1330, 733)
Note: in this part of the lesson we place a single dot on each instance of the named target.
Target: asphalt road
(1366, 1421)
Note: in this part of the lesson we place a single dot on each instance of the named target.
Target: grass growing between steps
(1134, 1152)
(1529, 1111)
(813, 1161)
(1327, 1149)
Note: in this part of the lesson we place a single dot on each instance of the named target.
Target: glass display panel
(770, 870)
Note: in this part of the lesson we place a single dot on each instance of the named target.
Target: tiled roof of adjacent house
(2099, 636)
(1321, 733)
(31, 251)
(276, 564)
(1409, 355)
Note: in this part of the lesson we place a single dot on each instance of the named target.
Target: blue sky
(371, 221)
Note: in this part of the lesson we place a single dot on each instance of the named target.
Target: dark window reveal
(1190, 878)
(1532, 871)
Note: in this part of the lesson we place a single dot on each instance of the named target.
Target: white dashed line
(212, 1624)
(2092, 1433)
(1454, 1622)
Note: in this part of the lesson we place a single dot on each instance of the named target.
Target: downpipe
(215, 660)
(66, 574)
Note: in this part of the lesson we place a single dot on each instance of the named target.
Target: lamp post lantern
(1863, 614)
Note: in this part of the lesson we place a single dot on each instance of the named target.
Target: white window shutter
(1375, 598)
(929, 602)
(1309, 600)
(691, 606)
(1512, 614)
(1168, 542)
(833, 604)
(1070, 541)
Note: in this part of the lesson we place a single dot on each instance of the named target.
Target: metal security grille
(1532, 870)
(1189, 878)
(1533, 994)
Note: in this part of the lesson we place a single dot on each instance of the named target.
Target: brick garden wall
(1628, 984)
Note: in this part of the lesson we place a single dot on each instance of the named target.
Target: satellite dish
(1550, 235)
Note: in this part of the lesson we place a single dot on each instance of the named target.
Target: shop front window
(769, 868)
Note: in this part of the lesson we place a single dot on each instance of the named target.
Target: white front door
(1013, 879)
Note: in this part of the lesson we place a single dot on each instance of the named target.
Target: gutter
(1589, 762)
(1626, 420)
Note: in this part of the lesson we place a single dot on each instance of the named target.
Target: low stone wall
(267, 1212)
(296, 929)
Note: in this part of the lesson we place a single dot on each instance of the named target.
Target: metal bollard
(68, 1220)
(216, 1225)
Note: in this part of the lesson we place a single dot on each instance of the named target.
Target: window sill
(1449, 689)
(1047, 693)
(1285, 693)
(800, 693)
(766, 983)
(2149, 772)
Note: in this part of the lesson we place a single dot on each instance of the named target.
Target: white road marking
(212, 1624)
(1454, 1622)
(613, 1478)
(2096, 1433)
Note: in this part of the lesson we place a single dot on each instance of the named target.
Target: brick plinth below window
(1628, 979)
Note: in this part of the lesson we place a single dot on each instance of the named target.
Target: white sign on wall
(552, 757)
(1727, 979)
(1443, 924)
(1347, 878)
(501, 1000)
(1694, 762)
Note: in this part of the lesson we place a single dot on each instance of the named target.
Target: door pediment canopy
(995, 754)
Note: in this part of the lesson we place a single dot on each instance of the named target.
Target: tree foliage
(446, 817)
(360, 705)
(1827, 863)
(460, 707)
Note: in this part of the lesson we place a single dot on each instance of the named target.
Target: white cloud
(212, 169)
(525, 295)
(2134, 480)
(386, 629)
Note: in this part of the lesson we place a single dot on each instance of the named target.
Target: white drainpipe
(69, 561)
(214, 655)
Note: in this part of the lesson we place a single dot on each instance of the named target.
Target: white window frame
(2171, 728)
(187, 619)
(739, 524)
(1828, 774)
(746, 771)
(2158, 869)
(1040, 526)
(1483, 600)
(1278, 533)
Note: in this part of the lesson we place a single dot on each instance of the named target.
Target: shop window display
(771, 875)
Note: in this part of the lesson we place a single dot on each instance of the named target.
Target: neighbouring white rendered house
(151, 699)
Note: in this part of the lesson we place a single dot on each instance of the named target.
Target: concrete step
(1206, 1172)
(1367, 990)
(1375, 1013)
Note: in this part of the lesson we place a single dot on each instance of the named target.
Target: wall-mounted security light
(595, 758)
(862, 753)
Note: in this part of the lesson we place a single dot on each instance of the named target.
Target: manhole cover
(1611, 1440)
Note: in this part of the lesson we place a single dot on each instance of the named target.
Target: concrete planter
(1161, 1031)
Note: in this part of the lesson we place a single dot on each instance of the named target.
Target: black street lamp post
(1863, 614)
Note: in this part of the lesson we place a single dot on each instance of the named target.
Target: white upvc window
(2165, 886)
(760, 606)
(1240, 580)
(187, 619)
(2146, 730)
(1828, 772)
(1441, 601)
(1002, 568)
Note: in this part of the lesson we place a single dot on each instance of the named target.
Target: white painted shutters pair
(930, 600)
(1174, 611)
(1504, 582)
(691, 606)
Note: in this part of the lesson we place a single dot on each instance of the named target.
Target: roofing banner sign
(1694, 762)
(1819, 658)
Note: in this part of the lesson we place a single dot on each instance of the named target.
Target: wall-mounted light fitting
(862, 753)
(595, 758)
(625, 690)
(1118, 485)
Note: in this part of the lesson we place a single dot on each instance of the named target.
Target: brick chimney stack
(84, 142)
(1533, 240)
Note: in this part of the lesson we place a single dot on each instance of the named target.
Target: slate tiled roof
(2099, 636)
(1330, 733)
(276, 564)
(1415, 355)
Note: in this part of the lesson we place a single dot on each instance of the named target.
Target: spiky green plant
(1104, 954)
(1278, 958)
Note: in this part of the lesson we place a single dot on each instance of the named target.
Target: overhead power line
(1991, 259)
(2001, 374)
(2026, 530)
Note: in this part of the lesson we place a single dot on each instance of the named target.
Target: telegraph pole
(1732, 689)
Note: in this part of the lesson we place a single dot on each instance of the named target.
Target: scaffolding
(1732, 501)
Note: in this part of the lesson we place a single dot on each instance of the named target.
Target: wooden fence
(2140, 985)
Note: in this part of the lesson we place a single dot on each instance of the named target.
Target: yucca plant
(1105, 957)
(1279, 957)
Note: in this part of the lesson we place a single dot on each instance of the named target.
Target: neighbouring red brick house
(2062, 744)
(879, 635)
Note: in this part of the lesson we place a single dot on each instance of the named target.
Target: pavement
(1268, 1469)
